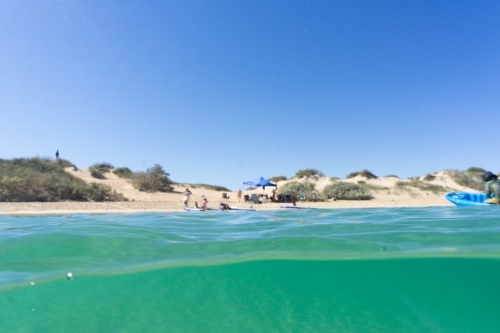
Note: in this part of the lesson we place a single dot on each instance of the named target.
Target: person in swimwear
(224, 206)
(185, 198)
(204, 203)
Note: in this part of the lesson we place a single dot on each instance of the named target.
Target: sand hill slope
(386, 191)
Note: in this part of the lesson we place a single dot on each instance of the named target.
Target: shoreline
(99, 208)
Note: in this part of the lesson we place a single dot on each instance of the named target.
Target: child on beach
(204, 203)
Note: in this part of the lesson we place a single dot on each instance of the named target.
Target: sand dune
(385, 191)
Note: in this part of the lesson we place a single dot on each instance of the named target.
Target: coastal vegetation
(471, 179)
(277, 179)
(99, 169)
(154, 179)
(309, 173)
(38, 179)
(394, 176)
(346, 191)
(364, 173)
(476, 170)
(306, 189)
(123, 172)
(373, 187)
(415, 183)
(206, 186)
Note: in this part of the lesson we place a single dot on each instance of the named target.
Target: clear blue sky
(224, 91)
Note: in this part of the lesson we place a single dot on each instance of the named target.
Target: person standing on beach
(57, 154)
(185, 198)
(239, 194)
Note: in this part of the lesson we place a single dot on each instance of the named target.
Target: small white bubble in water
(70, 275)
(32, 283)
(32, 309)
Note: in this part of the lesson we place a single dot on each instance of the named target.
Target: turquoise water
(365, 270)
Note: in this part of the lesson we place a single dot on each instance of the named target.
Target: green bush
(476, 170)
(277, 179)
(155, 179)
(346, 191)
(373, 187)
(365, 173)
(123, 172)
(101, 192)
(309, 173)
(99, 169)
(306, 189)
(36, 179)
(392, 176)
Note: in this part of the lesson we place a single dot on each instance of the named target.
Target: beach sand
(387, 195)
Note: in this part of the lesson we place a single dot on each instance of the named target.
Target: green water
(401, 270)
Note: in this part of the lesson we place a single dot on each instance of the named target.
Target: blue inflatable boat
(467, 199)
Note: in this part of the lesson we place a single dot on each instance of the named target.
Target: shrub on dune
(277, 179)
(476, 170)
(467, 179)
(99, 169)
(346, 191)
(365, 173)
(297, 189)
(309, 173)
(123, 172)
(155, 179)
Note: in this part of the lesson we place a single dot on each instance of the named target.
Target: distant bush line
(309, 173)
(277, 179)
(38, 179)
(365, 173)
(206, 186)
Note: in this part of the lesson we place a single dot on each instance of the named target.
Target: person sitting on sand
(224, 206)
(185, 198)
(491, 188)
(204, 203)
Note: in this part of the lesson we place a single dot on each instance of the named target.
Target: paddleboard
(298, 207)
(194, 209)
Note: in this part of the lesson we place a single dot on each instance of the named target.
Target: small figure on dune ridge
(57, 154)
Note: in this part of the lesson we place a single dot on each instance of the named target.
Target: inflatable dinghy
(467, 199)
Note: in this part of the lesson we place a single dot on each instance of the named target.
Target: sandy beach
(384, 190)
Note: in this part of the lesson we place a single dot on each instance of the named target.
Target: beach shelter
(258, 182)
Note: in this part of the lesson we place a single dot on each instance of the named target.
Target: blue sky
(224, 91)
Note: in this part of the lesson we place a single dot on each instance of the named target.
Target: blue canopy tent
(258, 182)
